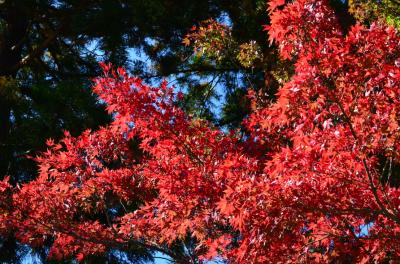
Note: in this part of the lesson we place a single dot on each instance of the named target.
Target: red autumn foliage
(316, 180)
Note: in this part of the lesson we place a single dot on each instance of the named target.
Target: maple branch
(331, 86)
(57, 228)
(348, 211)
(388, 184)
(128, 240)
(187, 148)
(356, 237)
(366, 167)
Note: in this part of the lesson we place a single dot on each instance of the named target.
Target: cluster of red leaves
(311, 183)
(330, 127)
(100, 191)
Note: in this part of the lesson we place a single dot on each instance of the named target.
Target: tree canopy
(301, 165)
(49, 52)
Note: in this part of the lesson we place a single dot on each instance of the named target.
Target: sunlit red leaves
(333, 118)
(272, 5)
(300, 187)
(298, 22)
